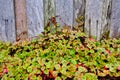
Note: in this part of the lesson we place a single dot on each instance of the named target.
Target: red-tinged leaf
(50, 74)
(29, 77)
(118, 68)
(105, 68)
(91, 39)
(86, 49)
(77, 65)
(5, 70)
(108, 52)
(1, 74)
(82, 46)
(44, 78)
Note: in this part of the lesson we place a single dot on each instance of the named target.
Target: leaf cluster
(64, 54)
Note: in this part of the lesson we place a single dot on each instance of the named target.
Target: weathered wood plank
(93, 13)
(79, 9)
(21, 21)
(35, 17)
(106, 19)
(7, 23)
(115, 19)
(49, 10)
(97, 17)
(64, 9)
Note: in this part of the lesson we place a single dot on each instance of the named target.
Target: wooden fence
(20, 19)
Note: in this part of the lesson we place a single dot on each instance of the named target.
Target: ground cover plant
(62, 54)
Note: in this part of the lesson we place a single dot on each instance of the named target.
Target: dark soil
(109, 78)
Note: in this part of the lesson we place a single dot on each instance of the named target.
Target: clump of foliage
(64, 54)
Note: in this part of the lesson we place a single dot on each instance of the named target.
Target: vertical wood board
(106, 19)
(21, 19)
(64, 9)
(93, 13)
(35, 17)
(96, 17)
(115, 19)
(79, 9)
(7, 22)
(49, 10)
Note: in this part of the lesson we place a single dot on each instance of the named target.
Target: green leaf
(46, 71)
(29, 69)
(72, 52)
(82, 69)
(48, 64)
(89, 76)
(73, 61)
(58, 78)
(25, 66)
(12, 78)
(57, 67)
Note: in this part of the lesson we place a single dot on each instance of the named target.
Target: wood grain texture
(97, 17)
(21, 19)
(49, 10)
(93, 16)
(26, 18)
(115, 19)
(35, 17)
(79, 9)
(106, 19)
(64, 9)
(7, 23)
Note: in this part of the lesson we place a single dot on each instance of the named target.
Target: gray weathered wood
(49, 10)
(101, 16)
(79, 8)
(7, 23)
(35, 17)
(64, 9)
(115, 19)
(97, 17)
(106, 19)
(93, 16)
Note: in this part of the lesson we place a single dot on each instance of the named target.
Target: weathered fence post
(26, 18)
(49, 10)
(35, 17)
(115, 19)
(7, 23)
(64, 9)
(97, 17)
(21, 19)
(79, 9)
